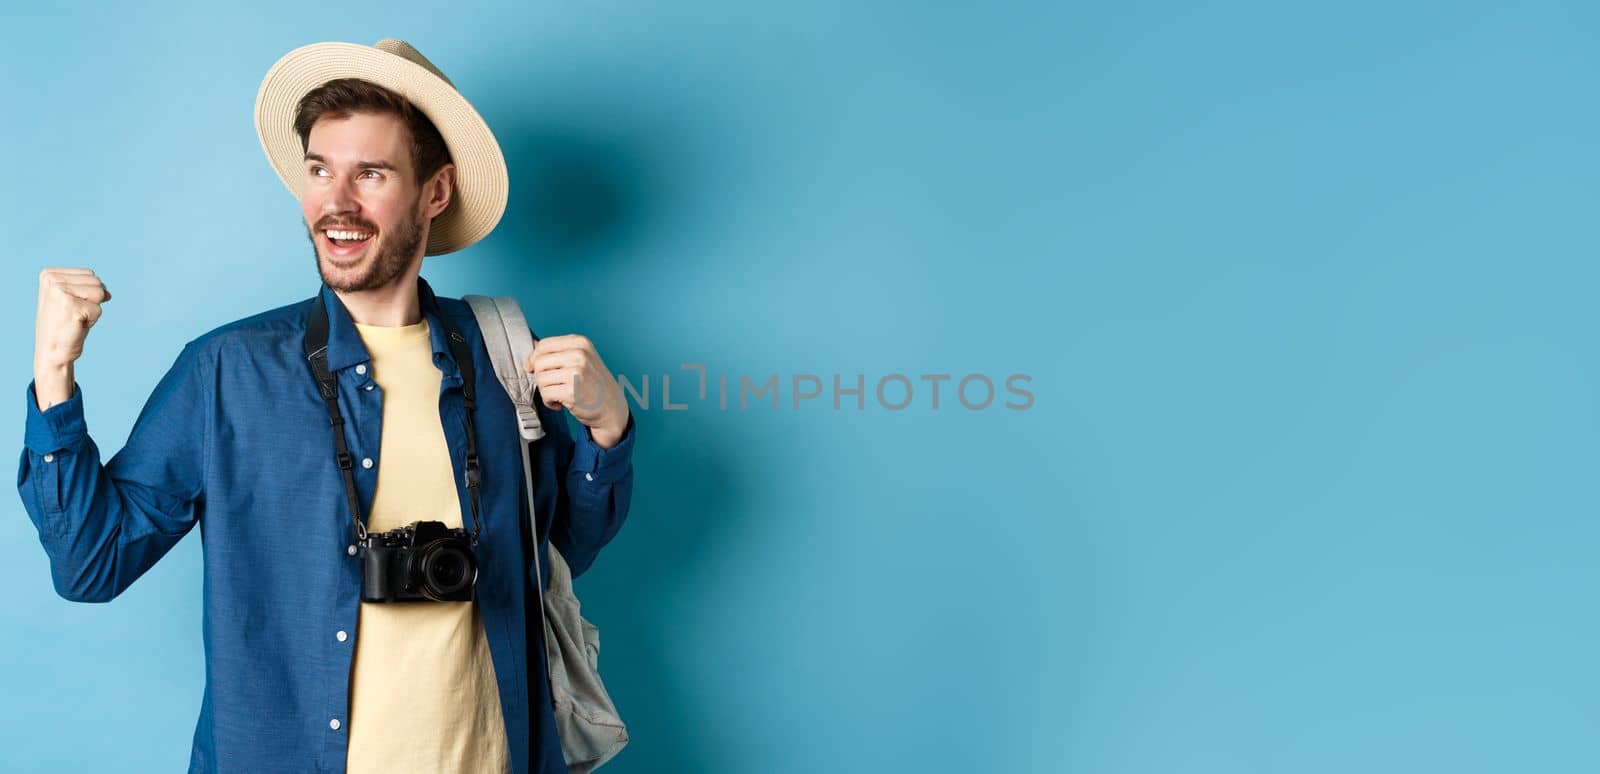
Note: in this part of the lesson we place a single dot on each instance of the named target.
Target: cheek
(388, 216)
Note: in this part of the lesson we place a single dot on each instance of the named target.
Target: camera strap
(316, 347)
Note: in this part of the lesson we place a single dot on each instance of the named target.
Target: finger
(574, 385)
(76, 279)
(89, 314)
(569, 358)
(538, 359)
(88, 291)
(563, 342)
(554, 377)
(556, 396)
(78, 272)
(84, 290)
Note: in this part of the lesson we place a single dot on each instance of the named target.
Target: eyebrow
(375, 164)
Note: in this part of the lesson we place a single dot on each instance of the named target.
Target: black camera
(422, 561)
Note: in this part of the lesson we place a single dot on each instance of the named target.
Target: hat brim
(482, 182)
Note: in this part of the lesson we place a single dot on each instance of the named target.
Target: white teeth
(332, 234)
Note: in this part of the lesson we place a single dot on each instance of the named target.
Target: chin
(343, 277)
(343, 264)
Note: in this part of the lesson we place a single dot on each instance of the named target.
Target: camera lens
(447, 570)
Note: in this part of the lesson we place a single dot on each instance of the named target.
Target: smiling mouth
(345, 242)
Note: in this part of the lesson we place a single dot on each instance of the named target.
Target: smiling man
(351, 460)
(353, 252)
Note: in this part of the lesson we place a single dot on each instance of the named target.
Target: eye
(315, 170)
(373, 172)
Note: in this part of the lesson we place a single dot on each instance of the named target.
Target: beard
(383, 262)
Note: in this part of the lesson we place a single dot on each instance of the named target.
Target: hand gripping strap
(505, 333)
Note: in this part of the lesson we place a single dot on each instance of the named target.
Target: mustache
(347, 225)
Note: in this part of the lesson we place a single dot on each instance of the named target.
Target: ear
(438, 190)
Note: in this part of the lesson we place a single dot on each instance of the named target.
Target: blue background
(1305, 295)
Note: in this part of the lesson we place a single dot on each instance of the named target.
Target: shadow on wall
(576, 199)
(682, 497)
(573, 197)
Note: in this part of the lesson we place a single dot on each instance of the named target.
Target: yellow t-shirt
(423, 696)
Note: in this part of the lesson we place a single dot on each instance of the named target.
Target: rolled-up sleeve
(598, 490)
(610, 464)
(104, 525)
(56, 429)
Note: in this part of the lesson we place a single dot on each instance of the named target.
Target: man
(304, 671)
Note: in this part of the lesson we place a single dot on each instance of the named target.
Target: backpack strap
(508, 352)
(510, 342)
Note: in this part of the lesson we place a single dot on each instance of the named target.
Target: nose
(341, 201)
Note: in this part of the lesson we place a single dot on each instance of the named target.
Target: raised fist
(69, 305)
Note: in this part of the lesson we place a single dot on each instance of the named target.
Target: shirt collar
(346, 349)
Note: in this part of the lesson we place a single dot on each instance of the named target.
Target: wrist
(607, 435)
(52, 384)
(51, 358)
(52, 371)
(47, 362)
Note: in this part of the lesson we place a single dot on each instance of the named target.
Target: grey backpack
(591, 731)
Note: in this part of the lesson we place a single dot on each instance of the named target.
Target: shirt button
(341, 636)
(366, 462)
(368, 388)
(334, 724)
(588, 477)
(351, 550)
(361, 369)
(49, 458)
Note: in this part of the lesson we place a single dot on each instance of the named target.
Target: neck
(391, 306)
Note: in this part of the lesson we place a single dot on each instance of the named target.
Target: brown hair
(345, 96)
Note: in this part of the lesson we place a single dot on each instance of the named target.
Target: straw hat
(481, 179)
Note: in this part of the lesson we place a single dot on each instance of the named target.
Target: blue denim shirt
(236, 439)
